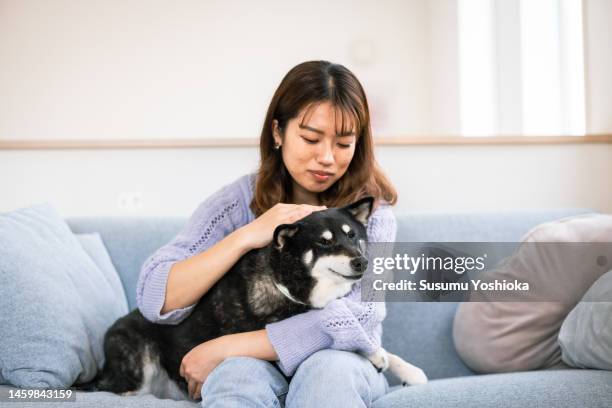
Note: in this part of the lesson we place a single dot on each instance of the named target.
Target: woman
(316, 152)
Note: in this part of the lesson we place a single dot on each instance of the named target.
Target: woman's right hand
(260, 232)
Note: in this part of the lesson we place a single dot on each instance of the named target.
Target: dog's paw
(407, 373)
(379, 359)
(413, 376)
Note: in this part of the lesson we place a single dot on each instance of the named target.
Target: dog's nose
(359, 264)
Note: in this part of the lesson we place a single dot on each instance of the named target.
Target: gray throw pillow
(55, 303)
(94, 246)
(586, 334)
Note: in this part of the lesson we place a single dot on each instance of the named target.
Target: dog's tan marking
(308, 257)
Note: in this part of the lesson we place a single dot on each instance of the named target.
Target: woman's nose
(325, 154)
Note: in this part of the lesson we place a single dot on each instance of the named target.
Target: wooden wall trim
(252, 142)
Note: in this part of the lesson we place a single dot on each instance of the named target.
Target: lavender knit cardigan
(344, 324)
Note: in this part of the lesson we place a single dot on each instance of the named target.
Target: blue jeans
(328, 378)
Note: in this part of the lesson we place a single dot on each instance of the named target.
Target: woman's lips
(320, 176)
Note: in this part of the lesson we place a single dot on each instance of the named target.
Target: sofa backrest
(130, 241)
(419, 332)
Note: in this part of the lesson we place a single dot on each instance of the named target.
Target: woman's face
(313, 153)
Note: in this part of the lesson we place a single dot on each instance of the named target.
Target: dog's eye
(351, 234)
(325, 242)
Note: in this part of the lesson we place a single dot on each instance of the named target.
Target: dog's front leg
(407, 373)
(379, 359)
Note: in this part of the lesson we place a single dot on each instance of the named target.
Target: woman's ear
(276, 134)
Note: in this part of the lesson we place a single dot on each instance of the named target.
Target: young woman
(316, 151)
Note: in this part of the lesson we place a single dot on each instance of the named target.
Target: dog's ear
(361, 209)
(284, 232)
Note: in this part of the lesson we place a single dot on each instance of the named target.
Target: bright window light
(477, 66)
(521, 67)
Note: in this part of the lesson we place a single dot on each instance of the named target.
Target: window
(521, 67)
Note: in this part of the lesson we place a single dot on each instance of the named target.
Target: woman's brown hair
(305, 86)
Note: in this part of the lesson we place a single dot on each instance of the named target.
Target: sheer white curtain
(521, 67)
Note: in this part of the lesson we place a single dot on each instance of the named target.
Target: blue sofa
(419, 332)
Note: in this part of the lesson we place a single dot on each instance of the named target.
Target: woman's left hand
(199, 363)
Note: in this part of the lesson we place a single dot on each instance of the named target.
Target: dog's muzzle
(359, 264)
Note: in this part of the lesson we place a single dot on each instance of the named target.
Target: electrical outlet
(130, 201)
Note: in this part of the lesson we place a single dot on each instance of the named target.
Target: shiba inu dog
(307, 265)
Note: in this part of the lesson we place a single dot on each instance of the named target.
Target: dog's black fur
(246, 298)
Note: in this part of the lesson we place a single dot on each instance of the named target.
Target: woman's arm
(178, 274)
(252, 344)
(214, 220)
(344, 324)
(187, 284)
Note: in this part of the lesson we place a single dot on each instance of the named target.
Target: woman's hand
(197, 365)
(260, 232)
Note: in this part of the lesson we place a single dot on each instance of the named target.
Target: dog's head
(321, 256)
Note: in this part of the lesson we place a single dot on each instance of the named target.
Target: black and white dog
(307, 265)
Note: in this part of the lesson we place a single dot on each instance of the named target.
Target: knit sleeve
(213, 220)
(349, 323)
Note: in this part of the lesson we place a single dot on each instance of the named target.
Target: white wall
(193, 68)
(174, 182)
(90, 69)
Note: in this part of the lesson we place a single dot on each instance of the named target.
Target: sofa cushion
(93, 245)
(549, 388)
(56, 303)
(586, 334)
(130, 241)
(494, 336)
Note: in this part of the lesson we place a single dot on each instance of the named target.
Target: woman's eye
(309, 141)
(344, 146)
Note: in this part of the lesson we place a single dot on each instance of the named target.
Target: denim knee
(335, 364)
(244, 382)
(331, 376)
